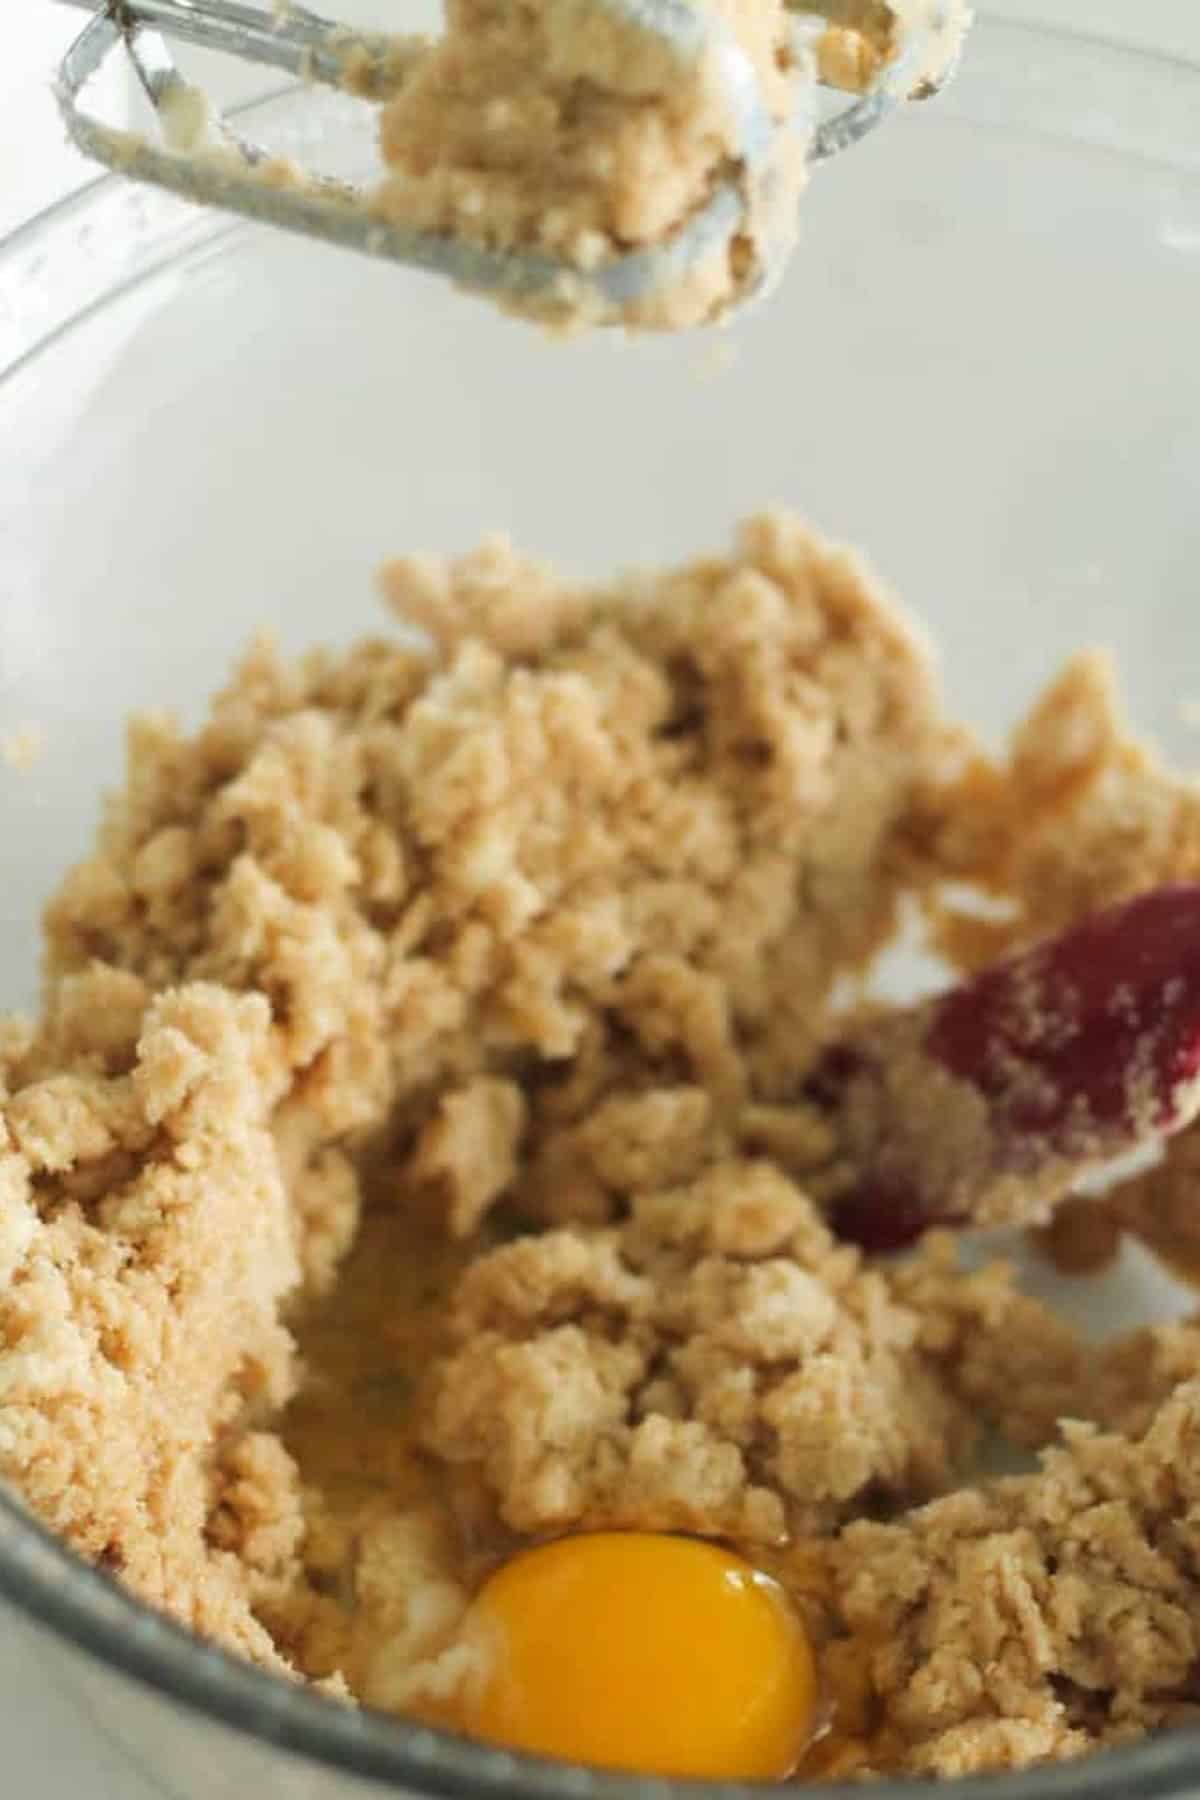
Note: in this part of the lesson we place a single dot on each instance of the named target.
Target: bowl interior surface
(980, 368)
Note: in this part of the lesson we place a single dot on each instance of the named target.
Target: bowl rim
(57, 1592)
(92, 1611)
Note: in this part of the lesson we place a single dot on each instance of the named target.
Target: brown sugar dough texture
(721, 1365)
(575, 131)
(494, 914)
(144, 1215)
(537, 925)
(1037, 1617)
(572, 130)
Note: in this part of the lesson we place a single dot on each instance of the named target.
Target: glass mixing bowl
(982, 367)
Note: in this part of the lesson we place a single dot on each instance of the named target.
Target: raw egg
(641, 1651)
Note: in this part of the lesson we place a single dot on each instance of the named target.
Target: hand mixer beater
(583, 161)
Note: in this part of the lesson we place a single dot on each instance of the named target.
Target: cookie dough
(584, 132)
(423, 1037)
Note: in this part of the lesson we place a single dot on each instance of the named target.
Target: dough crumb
(24, 747)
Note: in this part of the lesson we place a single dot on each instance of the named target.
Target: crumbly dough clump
(146, 1244)
(582, 133)
(722, 1365)
(861, 35)
(441, 1009)
(589, 134)
(1039, 1617)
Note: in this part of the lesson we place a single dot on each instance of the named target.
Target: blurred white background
(36, 166)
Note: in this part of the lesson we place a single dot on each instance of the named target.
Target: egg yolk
(631, 1650)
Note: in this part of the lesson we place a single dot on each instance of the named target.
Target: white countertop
(48, 1754)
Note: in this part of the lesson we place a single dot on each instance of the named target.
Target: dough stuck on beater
(568, 129)
(579, 162)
